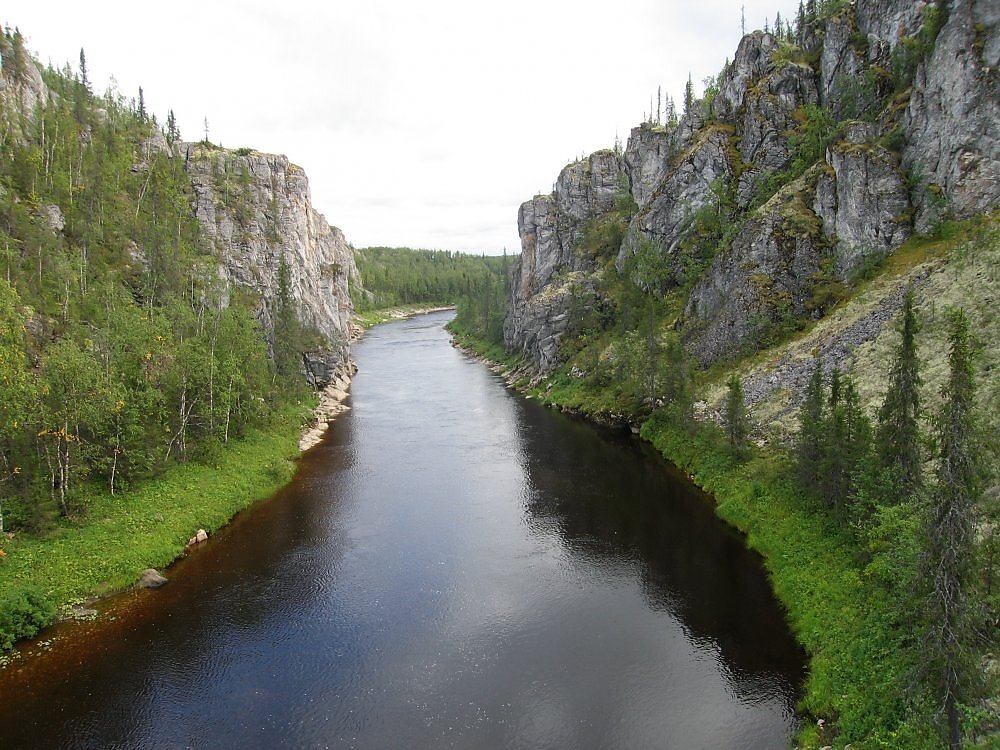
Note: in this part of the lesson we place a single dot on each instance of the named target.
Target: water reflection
(452, 566)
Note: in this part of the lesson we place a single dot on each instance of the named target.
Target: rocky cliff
(257, 215)
(553, 275)
(808, 160)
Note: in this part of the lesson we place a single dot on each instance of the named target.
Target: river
(453, 566)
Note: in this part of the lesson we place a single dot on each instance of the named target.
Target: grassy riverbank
(859, 649)
(106, 549)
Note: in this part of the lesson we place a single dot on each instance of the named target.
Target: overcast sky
(424, 123)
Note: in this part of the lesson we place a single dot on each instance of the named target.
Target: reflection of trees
(230, 595)
(613, 500)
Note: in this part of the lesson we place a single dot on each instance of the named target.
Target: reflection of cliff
(692, 565)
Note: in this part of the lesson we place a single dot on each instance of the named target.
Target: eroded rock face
(686, 188)
(768, 119)
(856, 204)
(647, 159)
(551, 277)
(840, 64)
(20, 92)
(764, 275)
(888, 21)
(862, 200)
(953, 118)
(256, 212)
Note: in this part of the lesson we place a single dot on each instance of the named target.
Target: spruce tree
(809, 450)
(950, 534)
(737, 421)
(83, 70)
(897, 439)
(688, 96)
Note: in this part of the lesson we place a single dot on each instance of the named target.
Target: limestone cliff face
(953, 117)
(256, 212)
(912, 157)
(22, 89)
(551, 273)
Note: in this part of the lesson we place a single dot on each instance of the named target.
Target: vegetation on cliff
(124, 359)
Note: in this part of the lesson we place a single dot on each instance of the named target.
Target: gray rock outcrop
(900, 158)
(551, 279)
(862, 200)
(763, 278)
(952, 121)
(256, 212)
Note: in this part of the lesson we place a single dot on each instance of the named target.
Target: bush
(23, 612)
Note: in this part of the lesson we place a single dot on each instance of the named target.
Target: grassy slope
(848, 624)
(121, 535)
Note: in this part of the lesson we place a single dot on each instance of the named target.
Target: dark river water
(454, 566)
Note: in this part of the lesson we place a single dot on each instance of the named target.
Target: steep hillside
(159, 304)
(257, 215)
(810, 158)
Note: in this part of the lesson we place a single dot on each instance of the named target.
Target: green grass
(121, 535)
(853, 630)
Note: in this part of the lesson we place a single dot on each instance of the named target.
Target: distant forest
(476, 284)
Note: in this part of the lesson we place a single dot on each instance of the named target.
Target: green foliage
(809, 447)
(147, 526)
(120, 350)
(897, 438)
(394, 276)
(23, 612)
(948, 576)
(807, 146)
(911, 51)
(736, 418)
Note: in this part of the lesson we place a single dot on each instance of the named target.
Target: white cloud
(423, 124)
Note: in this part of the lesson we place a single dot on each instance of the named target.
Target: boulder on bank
(198, 538)
(150, 579)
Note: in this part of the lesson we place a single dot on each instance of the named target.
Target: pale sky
(422, 124)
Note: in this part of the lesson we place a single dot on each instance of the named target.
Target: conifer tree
(173, 132)
(950, 533)
(83, 71)
(737, 421)
(800, 19)
(688, 96)
(809, 449)
(897, 439)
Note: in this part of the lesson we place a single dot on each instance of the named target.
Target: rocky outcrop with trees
(811, 156)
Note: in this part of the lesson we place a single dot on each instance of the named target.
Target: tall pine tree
(950, 533)
(737, 421)
(897, 439)
(809, 450)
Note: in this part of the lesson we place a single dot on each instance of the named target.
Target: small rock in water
(201, 536)
(150, 579)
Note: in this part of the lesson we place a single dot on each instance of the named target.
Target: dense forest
(121, 351)
(476, 284)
